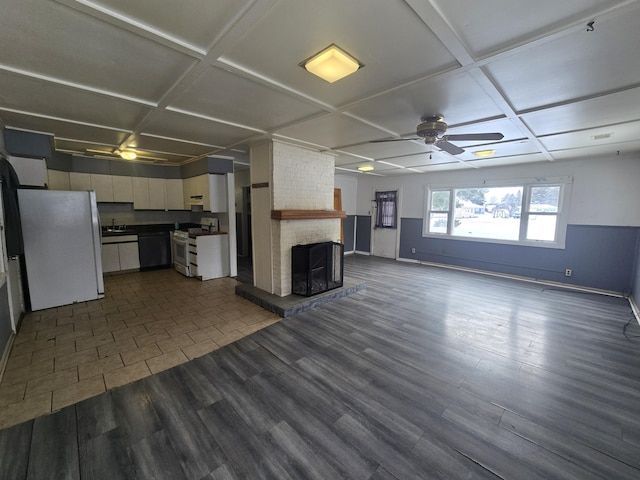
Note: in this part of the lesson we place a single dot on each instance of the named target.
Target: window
(386, 209)
(528, 212)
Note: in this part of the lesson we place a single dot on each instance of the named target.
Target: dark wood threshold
(306, 214)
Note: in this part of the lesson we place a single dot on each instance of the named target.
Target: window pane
(488, 213)
(438, 223)
(542, 227)
(440, 200)
(545, 199)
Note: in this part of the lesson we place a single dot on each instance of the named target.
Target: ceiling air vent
(602, 136)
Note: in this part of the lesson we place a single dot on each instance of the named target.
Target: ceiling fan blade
(449, 147)
(393, 140)
(469, 137)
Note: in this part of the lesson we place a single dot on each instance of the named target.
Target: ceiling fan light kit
(332, 64)
(128, 155)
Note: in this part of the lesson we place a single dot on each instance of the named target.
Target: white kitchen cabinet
(218, 193)
(58, 180)
(80, 181)
(174, 194)
(103, 186)
(140, 193)
(122, 189)
(129, 256)
(31, 172)
(110, 258)
(119, 253)
(156, 193)
(209, 256)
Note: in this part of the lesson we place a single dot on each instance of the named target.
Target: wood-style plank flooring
(428, 373)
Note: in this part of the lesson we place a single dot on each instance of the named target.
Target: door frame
(396, 253)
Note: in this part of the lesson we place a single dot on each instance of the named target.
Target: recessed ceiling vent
(602, 136)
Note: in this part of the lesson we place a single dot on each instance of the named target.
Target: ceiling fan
(432, 131)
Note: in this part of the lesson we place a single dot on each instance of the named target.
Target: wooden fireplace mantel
(306, 214)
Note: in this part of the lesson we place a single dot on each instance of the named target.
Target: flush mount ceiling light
(365, 168)
(128, 155)
(485, 153)
(331, 64)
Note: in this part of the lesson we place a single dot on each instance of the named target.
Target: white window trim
(565, 182)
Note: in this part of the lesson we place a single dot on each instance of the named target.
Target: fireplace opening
(316, 268)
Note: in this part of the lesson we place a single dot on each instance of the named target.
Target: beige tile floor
(147, 322)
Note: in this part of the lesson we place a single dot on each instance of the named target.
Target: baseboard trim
(363, 253)
(635, 308)
(566, 286)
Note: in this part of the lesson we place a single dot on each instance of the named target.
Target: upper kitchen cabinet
(122, 189)
(141, 193)
(103, 186)
(157, 188)
(149, 193)
(31, 172)
(218, 193)
(174, 194)
(207, 190)
(80, 181)
(58, 180)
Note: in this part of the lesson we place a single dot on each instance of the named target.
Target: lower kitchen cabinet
(209, 256)
(120, 253)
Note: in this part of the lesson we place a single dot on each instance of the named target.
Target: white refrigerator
(61, 232)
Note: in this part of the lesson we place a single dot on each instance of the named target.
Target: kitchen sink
(116, 230)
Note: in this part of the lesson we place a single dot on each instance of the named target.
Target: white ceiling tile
(44, 98)
(332, 131)
(627, 132)
(572, 67)
(221, 94)
(61, 43)
(608, 110)
(494, 25)
(458, 97)
(295, 30)
(171, 146)
(191, 21)
(194, 129)
(63, 129)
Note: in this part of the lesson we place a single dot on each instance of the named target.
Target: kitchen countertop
(136, 229)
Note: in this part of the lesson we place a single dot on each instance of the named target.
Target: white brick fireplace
(291, 204)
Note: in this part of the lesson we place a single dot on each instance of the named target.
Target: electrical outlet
(567, 272)
(413, 250)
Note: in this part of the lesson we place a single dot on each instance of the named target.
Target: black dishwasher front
(154, 249)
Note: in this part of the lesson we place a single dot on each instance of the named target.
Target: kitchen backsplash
(124, 214)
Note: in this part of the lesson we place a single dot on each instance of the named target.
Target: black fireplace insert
(316, 268)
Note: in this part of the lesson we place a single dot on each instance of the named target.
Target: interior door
(384, 241)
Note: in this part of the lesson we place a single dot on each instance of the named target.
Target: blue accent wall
(348, 233)
(363, 233)
(599, 256)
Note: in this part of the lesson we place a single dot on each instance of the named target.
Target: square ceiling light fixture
(332, 64)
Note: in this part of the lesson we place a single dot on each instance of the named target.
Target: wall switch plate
(413, 250)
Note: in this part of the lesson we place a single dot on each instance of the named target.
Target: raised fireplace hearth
(316, 268)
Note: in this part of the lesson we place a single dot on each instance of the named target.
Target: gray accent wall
(348, 233)
(601, 257)
(635, 290)
(363, 233)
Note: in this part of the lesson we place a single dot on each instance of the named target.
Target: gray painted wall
(363, 233)
(348, 233)
(600, 257)
(636, 274)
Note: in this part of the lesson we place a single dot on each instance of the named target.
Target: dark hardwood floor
(428, 373)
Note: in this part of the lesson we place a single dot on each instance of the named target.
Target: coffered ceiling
(178, 80)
